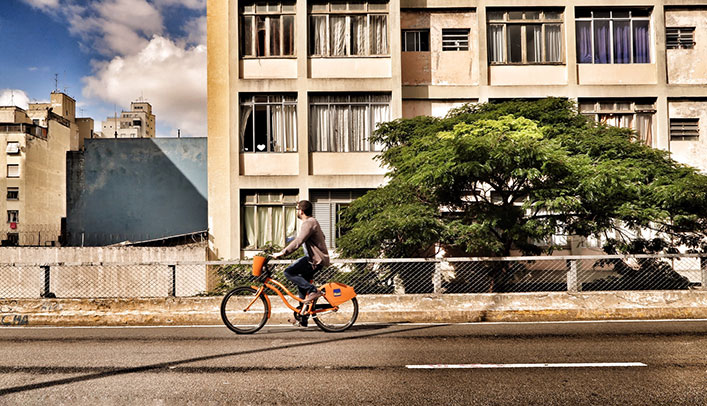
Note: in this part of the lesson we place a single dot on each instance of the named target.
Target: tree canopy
(495, 177)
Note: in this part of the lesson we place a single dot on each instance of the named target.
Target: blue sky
(108, 53)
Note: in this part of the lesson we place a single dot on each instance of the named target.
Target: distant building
(139, 122)
(33, 179)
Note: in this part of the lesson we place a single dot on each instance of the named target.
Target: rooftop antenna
(56, 82)
(12, 97)
(115, 118)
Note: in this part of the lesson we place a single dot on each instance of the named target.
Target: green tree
(495, 177)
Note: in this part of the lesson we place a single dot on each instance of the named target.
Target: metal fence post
(46, 290)
(572, 281)
(703, 267)
(173, 284)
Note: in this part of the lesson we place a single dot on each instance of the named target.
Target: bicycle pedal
(294, 322)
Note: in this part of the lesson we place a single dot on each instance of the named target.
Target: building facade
(33, 180)
(297, 87)
(139, 122)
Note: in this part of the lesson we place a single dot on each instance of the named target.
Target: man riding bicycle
(316, 255)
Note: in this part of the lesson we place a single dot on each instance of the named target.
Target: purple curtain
(584, 42)
(641, 39)
(622, 42)
(602, 47)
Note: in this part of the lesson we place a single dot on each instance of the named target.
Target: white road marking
(556, 365)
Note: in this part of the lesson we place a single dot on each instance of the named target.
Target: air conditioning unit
(13, 148)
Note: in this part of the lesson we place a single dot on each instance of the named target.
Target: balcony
(29, 129)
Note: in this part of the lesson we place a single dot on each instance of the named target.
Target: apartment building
(139, 122)
(297, 87)
(33, 160)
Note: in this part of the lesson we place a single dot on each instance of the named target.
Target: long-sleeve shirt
(312, 236)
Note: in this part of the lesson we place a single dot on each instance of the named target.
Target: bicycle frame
(269, 282)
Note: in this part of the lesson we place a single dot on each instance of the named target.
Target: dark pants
(300, 273)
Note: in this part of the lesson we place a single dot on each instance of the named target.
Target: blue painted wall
(136, 190)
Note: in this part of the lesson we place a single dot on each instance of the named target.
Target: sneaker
(312, 296)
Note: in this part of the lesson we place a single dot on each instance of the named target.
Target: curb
(414, 308)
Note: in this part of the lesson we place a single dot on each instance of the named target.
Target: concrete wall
(136, 189)
(687, 66)
(689, 151)
(102, 279)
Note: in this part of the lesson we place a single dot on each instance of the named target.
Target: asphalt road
(367, 365)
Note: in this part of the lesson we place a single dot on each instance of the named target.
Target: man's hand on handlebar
(277, 255)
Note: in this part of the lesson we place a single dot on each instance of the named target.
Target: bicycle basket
(258, 262)
(338, 293)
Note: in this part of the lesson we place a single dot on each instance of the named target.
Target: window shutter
(322, 212)
(684, 128)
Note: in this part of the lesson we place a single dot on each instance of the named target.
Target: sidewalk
(452, 308)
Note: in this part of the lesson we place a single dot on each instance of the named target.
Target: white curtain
(278, 226)
(264, 226)
(318, 35)
(553, 43)
(246, 111)
(277, 131)
(533, 34)
(379, 34)
(617, 120)
(337, 25)
(381, 114)
(359, 128)
(496, 43)
(249, 222)
(290, 136)
(319, 128)
(341, 123)
(358, 35)
(644, 128)
(290, 221)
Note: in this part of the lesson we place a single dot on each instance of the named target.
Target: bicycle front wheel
(242, 312)
(334, 321)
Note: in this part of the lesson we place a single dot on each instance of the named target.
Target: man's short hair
(306, 207)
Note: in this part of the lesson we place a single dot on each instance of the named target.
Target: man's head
(305, 207)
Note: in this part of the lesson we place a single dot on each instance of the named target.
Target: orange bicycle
(246, 309)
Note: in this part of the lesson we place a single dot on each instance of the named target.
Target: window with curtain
(268, 29)
(268, 218)
(636, 115)
(268, 123)
(525, 36)
(345, 123)
(348, 29)
(613, 35)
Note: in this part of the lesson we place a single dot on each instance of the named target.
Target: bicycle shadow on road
(172, 364)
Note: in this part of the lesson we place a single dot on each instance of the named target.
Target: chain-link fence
(380, 276)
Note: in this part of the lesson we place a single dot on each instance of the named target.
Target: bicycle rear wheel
(234, 313)
(339, 320)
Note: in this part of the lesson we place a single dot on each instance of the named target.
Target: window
(328, 205)
(636, 115)
(348, 29)
(13, 193)
(268, 123)
(416, 40)
(268, 217)
(13, 216)
(455, 39)
(13, 147)
(268, 29)
(679, 37)
(682, 129)
(345, 123)
(13, 170)
(613, 36)
(525, 36)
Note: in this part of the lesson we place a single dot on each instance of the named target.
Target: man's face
(300, 214)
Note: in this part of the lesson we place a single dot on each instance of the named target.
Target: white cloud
(192, 4)
(43, 4)
(14, 97)
(171, 78)
(196, 30)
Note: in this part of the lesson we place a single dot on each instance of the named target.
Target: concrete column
(572, 280)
